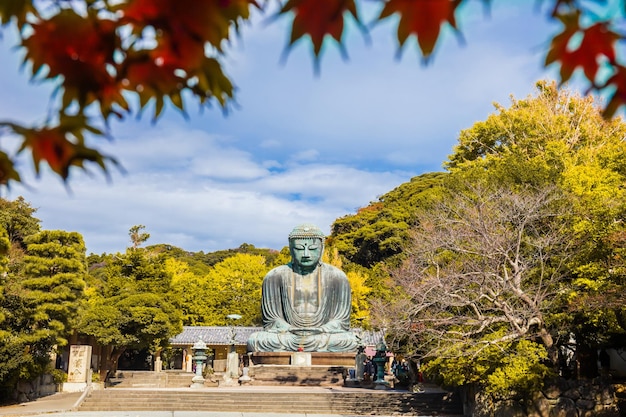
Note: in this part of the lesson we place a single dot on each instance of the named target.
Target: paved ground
(61, 404)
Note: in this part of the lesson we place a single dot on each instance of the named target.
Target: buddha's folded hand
(306, 330)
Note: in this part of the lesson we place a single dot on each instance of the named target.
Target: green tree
(192, 291)
(558, 137)
(12, 346)
(234, 287)
(373, 240)
(213, 258)
(496, 276)
(5, 247)
(195, 261)
(138, 236)
(54, 279)
(17, 218)
(39, 302)
(130, 306)
(17, 358)
(379, 231)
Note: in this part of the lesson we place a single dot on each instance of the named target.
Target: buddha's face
(306, 253)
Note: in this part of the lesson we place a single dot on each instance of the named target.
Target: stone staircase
(290, 401)
(272, 375)
(150, 379)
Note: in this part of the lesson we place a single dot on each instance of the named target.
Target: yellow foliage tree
(235, 288)
(360, 306)
(190, 290)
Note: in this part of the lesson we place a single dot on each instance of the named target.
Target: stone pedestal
(197, 382)
(301, 368)
(289, 375)
(317, 358)
(74, 386)
(231, 376)
(381, 385)
(300, 359)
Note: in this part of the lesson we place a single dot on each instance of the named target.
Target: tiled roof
(215, 335)
(212, 335)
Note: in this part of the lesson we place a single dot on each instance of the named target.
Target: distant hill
(378, 231)
(200, 262)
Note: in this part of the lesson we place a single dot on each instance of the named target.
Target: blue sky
(298, 147)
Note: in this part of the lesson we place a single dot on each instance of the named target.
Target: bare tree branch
(483, 267)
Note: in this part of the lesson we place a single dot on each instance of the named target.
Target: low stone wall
(31, 390)
(560, 398)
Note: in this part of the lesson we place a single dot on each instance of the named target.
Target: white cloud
(306, 155)
(299, 148)
(184, 209)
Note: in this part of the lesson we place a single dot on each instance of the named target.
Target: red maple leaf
(68, 43)
(61, 146)
(198, 20)
(423, 18)
(79, 49)
(50, 145)
(178, 60)
(142, 73)
(318, 19)
(597, 43)
(177, 49)
(618, 99)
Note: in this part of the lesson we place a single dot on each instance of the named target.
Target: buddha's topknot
(306, 231)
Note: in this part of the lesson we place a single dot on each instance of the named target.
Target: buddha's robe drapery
(310, 313)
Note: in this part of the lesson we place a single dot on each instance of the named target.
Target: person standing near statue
(305, 304)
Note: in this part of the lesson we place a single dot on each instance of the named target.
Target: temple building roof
(219, 335)
(212, 335)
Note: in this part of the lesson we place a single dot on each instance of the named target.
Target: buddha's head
(306, 244)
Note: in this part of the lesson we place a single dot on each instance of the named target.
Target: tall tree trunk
(548, 342)
(111, 357)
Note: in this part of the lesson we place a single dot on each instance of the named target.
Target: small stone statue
(305, 304)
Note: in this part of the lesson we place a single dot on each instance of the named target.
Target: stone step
(353, 403)
(306, 376)
(260, 374)
(149, 379)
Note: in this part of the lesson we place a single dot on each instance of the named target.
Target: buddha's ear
(325, 256)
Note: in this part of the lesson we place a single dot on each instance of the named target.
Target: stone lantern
(232, 341)
(199, 356)
(231, 376)
(380, 359)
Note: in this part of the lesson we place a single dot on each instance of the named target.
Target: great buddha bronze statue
(306, 303)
